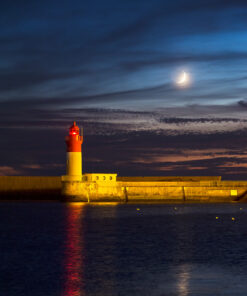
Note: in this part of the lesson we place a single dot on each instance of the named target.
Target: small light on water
(216, 217)
(138, 209)
(233, 219)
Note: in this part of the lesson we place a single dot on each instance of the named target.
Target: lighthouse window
(97, 178)
(110, 178)
(104, 178)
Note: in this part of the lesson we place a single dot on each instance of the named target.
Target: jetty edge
(112, 188)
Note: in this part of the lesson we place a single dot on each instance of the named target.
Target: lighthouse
(74, 158)
(84, 188)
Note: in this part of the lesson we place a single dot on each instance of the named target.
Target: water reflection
(102, 253)
(183, 280)
(184, 238)
(74, 254)
(90, 254)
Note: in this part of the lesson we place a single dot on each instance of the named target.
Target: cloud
(190, 119)
(32, 166)
(242, 103)
(9, 171)
(171, 17)
(154, 59)
(134, 145)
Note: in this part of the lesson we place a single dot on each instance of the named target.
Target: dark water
(71, 250)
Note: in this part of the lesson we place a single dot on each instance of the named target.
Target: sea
(59, 249)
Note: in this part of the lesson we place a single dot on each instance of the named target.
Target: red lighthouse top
(74, 129)
(74, 140)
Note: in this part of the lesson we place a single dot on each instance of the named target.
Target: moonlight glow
(183, 79)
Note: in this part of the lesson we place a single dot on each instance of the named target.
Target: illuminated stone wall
(104, 187)
(27, 187)
(108, 188)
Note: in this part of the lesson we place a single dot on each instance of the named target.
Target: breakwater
(111, 188)
(30, 188)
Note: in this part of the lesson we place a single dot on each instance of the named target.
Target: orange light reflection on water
(74, 255)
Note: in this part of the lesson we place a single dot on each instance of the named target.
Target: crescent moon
(183, 78)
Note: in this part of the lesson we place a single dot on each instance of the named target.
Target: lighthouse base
(92, 188)
(73, 189)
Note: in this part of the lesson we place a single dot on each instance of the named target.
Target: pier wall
(30, 188)
(93, 191)
(156, 189)
(202, 191)
(124, 189)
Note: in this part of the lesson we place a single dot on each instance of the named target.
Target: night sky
(113, 66)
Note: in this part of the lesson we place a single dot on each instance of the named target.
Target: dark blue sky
(111, 65)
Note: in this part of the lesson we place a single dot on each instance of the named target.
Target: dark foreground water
(71, 250)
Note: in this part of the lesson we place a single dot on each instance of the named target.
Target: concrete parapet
(151, 193)
(168, 183)
(30, 188)
(69, 178)
(213, 194)
(105, 188)
(233, 184)
(168, 178)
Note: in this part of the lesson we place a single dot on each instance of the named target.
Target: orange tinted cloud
(8, 171)
(233, 165)
(190, 155)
